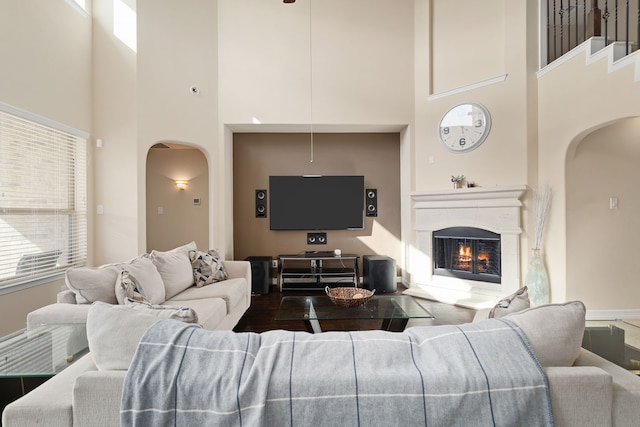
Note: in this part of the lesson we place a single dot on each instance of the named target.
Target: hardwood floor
(261, 315)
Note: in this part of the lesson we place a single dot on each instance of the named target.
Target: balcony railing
(571, 22)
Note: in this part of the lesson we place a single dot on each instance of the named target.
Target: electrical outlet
(274, 263)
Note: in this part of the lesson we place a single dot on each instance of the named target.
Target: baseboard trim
(613, 314)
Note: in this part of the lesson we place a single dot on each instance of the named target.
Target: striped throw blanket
(478, 374)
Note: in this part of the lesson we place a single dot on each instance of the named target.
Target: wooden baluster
(594, 20)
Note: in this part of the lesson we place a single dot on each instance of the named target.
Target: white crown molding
(472, 86)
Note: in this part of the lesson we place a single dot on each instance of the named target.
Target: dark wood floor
(260, 317)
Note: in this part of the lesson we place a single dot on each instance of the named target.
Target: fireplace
(467, 253)
(488, 268)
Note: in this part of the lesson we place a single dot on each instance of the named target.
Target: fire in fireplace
(467, 253)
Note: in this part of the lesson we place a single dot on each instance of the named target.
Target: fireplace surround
(492, 213)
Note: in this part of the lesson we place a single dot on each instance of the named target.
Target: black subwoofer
(379, 273)
(260, 274)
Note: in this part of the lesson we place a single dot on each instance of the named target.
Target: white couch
(585, 390)
(165, 280)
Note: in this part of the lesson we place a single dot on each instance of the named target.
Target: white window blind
(43, 200)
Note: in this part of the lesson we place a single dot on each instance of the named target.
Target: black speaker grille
(372, 202)
(261, 203)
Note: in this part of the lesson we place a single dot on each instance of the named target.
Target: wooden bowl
(348, 296)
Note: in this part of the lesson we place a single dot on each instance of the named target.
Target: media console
(315, 270)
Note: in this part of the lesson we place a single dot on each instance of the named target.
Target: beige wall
(115, 166)
(46, 70)
(177, 49)
(466, 47)
(602, 242)
(569, 110)
(181, 220)
(282, 70)
(375, 156)
(507, 157)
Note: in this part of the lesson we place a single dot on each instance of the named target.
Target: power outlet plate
(316, 238)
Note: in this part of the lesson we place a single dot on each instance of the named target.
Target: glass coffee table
(394, 311)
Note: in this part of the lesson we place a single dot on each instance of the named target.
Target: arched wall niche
(176, 216)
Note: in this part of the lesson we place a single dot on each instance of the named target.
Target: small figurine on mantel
(457, 181)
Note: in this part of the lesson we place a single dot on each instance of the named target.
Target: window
(43, 197)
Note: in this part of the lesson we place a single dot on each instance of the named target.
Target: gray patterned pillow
(128, 287)
(207, 267)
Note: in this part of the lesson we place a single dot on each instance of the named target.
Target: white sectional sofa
(211, 292)
(584, 389)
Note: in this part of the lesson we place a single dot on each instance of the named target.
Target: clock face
(464, 127)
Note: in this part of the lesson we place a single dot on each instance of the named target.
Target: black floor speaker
(260, 274)
(379, 273)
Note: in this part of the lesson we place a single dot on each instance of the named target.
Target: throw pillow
(515, 302)
(207, 267)
(149, 282)
(184, 314)
(175, 268)
(127, 287)
(91, 284)
(113, 333)
(554, 331)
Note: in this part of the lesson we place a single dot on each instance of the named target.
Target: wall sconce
(182, 185)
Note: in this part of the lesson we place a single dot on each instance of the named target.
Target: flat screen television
(316, 202)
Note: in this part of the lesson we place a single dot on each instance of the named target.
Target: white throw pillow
(113, 333)
(554, 331)
(175, 268)
(146, 275)
(91, 284)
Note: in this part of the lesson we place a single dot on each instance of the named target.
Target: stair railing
(571, 22)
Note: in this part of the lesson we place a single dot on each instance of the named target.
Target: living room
(265, 66)
(230, 78)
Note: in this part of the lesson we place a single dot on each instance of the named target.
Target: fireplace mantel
(497, 209)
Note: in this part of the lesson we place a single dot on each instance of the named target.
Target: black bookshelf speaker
(260, 274)
(261, 203)
(379, 273)
(372, 201)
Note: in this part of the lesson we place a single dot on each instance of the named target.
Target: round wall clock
(464, 127)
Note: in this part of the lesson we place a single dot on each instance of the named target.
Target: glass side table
(30, 357)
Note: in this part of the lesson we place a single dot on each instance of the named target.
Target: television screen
(316, 202)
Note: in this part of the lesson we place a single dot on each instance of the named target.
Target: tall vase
(537, 280)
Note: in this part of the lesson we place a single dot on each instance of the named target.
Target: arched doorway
(176, 214)
(602, 203)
